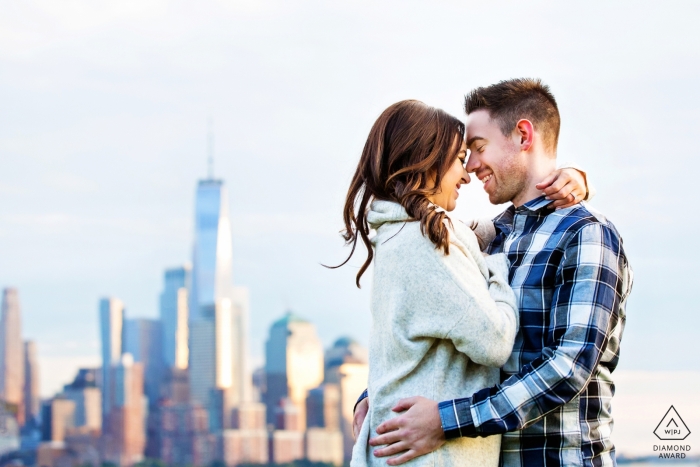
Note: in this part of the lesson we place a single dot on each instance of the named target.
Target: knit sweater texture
(442, 325)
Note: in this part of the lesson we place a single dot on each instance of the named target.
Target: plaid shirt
(571, 279)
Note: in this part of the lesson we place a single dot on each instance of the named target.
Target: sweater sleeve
(486, 332)
(422, 293)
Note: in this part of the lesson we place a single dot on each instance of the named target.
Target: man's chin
(496, 199)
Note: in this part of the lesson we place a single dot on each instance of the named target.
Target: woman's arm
(454, 296)
(566, 186)
(487, 330)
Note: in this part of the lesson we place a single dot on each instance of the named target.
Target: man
(571, 279)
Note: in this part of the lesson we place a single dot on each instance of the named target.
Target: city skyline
(190, 364)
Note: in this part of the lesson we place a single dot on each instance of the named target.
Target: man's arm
(593, 284)
(359, 413)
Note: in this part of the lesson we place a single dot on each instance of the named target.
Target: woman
(444, 317)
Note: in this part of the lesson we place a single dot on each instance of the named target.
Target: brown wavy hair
(408, 151)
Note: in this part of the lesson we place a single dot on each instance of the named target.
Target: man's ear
(526, 131)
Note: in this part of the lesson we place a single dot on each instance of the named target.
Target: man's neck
(542, 166)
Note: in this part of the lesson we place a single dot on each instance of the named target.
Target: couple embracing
(494, 340)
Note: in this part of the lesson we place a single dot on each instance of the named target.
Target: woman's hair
(408, 151)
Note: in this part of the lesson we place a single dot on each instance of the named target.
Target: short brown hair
(515, 99)
(408, 151)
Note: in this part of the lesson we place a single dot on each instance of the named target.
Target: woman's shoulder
(463, 233)
(402, 236)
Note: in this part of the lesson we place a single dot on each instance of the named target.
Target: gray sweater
(442, 325)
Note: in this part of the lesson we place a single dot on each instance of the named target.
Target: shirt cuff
(363, 396)
(456, 418)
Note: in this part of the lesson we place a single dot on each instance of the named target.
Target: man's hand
(359, 417)
(416, 432)
(565, 187)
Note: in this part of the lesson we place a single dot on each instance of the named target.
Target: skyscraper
(346, 366)
(293, 364)
(83, 391)
(143, 339)
(58, 418)
(12, 353)
(31, 382)
(127, 432)
(217, 347)
(173, 316)
(111, 327)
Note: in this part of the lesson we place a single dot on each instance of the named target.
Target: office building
(32, 400)
(176, 386)
(143, 339)
(324, 439)
(345, 350)
(174, 316)
(346, 367)
(217, 311)
(12, 353)
(126, 439)
(323, 407)
(286, 446)
(247, 441)
(293, 365)
(58, 418)
(111, 329)
(83, 391)
(184, 435)
(324, 445)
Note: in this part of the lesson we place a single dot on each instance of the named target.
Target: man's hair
(512, 100)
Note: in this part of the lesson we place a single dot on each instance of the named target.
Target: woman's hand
(565, 187)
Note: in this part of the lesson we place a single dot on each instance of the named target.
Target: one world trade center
(218, 310)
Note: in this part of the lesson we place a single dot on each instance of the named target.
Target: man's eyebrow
(471, 140)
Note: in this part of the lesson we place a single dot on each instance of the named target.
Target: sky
(103, 136)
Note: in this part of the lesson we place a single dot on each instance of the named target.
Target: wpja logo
(672, 428)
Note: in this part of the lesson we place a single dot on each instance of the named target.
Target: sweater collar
(382, 212)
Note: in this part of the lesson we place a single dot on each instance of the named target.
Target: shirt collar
(504, 221)
(534, 205)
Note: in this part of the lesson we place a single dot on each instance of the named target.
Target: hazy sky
(103, 122)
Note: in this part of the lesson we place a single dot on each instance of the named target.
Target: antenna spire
(210, 148)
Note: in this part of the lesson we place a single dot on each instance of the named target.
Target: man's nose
(473, 163)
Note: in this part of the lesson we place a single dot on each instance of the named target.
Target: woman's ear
(526, 132)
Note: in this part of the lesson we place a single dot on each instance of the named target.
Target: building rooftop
(289, 317)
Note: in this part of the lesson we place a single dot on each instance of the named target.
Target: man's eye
(480, 149)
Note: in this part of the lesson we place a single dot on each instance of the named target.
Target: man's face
(494, 158)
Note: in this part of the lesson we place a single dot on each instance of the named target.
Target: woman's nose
(466, 178)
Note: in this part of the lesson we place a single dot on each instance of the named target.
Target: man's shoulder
(583, 219)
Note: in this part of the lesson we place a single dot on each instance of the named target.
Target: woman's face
(456, 175)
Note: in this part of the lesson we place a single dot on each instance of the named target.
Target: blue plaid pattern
(571, 278)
